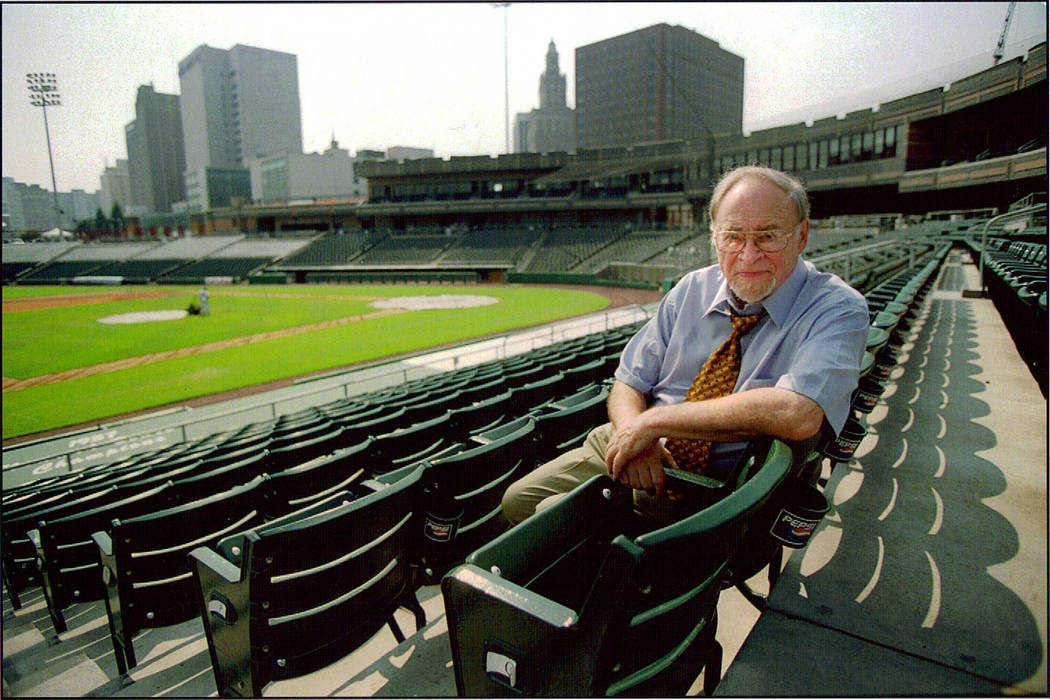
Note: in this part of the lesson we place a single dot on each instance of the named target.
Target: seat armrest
(510, 594)
(105, 544)
(210, 559)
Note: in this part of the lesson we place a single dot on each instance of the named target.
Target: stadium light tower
(506, 78)
(43, 93)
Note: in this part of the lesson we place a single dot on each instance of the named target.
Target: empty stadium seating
(291, 596)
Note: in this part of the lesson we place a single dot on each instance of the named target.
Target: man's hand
(637, 459)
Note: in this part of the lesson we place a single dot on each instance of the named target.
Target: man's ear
(803, 235)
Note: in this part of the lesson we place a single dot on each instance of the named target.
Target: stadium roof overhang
(599, 170)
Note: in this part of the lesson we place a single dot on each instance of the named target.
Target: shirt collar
(777, 305)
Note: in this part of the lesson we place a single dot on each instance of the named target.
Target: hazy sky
(432, 75)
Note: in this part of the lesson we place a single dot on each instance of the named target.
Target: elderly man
(761, 344)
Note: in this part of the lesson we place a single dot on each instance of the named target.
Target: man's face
(750, 207)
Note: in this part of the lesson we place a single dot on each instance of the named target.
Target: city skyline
(431, 75)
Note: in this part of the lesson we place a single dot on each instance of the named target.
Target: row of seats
(585, 599)
(1015, 275)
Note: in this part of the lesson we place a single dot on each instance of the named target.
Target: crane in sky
(1001, 46)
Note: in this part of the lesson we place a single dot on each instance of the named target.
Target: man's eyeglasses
(772, 241)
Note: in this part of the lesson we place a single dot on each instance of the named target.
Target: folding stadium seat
(67, 556)
(463, 493)
(483, 388)
(386, 421)
(564, 423)
(234, 452)
(581, 600)
(145, 566)
(290, 597)
(560, 362)
(203, 484)
(282, 455)
(436, 404)
(353, 411)
(307, 483)
(19, 565)
(519, 376)
(589, 372)
(16, 548)
(869, 389)
(480, 415)
(531, 396)
(411, 444)
(301, 431)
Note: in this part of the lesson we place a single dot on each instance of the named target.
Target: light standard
(43, 93)
(506, 78)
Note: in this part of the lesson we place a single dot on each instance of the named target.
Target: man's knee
(515, 505)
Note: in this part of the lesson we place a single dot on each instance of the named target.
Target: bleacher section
(566, 246)
(325, 462)
(338, 248)
(403, 249)
(83, 261)
(497, 247)
(236, 261)
(18, 259)
(1015, 276)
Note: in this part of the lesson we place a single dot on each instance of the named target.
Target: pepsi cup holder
(441, 527)
(842, 447)
(880, 371)
(799, 516)
(867, 394)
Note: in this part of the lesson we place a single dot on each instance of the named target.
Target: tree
(101, 223)
(116, 218)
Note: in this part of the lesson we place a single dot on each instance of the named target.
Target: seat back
(385, 422)
(586, 373)
(288, 598)
(145, 569)
(531, 395)
(579, 600)
(437, 403)
(564, 423)
(471, 484)
(299, 486)
(290, 454)
(412, 443)
(68, 557)
(203, 485)
(479, 415)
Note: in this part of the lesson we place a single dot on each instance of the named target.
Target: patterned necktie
(716, 377)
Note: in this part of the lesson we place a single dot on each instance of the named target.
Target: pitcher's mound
(437, 301)
(144, 317)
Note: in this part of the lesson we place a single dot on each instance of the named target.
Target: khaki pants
(549, 482)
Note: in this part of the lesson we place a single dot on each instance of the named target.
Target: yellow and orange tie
(717, 377)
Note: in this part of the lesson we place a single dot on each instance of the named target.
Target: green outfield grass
(50, 340)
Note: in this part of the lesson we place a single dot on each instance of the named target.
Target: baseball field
(77, 354)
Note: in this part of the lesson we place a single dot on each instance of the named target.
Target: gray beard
(751, 299)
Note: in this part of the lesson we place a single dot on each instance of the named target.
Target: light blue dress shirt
(811, 342)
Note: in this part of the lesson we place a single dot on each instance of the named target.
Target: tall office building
(237, 105)
(551, 127)
(156, 159)
(656, 84)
